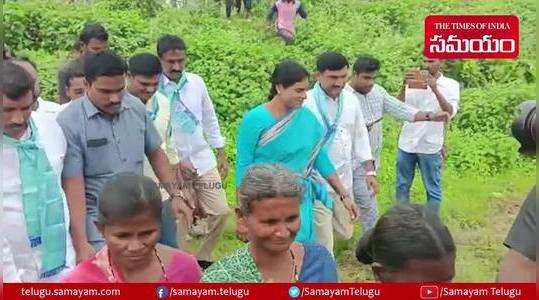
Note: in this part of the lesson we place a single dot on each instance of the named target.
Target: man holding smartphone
(421, 143)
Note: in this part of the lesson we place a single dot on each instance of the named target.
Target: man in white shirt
(35, 221)
(340, 114)
(376, 102)
(192, 130)
(41, 106)
(421, 143)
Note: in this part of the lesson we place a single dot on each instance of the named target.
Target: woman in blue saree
(283, 131)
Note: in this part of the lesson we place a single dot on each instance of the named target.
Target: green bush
(236, 56)
(50, 26)
(491, 107)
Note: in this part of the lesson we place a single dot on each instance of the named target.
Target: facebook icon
(162, 292)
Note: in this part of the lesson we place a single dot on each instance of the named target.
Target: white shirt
(161, 123)
(21, 262)
(48, 107)
(350, 144)
(195, 147)
(428, 137)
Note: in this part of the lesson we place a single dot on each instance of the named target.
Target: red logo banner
(471, 36)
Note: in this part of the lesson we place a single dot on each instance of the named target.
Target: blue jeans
(430, 166)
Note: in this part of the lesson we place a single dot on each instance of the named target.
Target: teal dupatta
(313, 187)
(42, 199)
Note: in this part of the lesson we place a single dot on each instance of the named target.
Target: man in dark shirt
(518, 264)
(108, 131)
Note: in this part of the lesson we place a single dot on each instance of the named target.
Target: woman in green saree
(269, 215)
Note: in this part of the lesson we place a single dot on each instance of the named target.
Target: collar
(91, 110)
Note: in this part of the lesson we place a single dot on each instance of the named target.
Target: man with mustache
(36, 245)
(183, 104)
(108, 132)
(346, 138)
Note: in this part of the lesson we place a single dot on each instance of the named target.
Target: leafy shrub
(235, 57)
(491, 108)
(50, 26)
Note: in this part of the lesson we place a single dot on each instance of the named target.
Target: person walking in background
(75, 84)
(143, 74)
(286, 11)
(247, 6)
(92, 39)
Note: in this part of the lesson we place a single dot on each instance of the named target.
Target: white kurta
(196, 147)
(21, 263)
(350, 145)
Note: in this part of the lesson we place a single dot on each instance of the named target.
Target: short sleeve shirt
(100, 146)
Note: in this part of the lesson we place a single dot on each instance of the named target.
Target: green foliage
(49, 26)
(484, 153)
(147, 8)
(491, 107)
(236, 56)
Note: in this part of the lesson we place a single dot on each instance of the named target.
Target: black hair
(73, 69)
(70, 70)
(77, 46)
(127, 195)
(26, 59)
(145, 64)
(7, 53)
(15, 82)
(169, 42)
(287, 73)
(93, 31)
(405, 232)
(105, 63)
(366, 64)
(331, 61)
